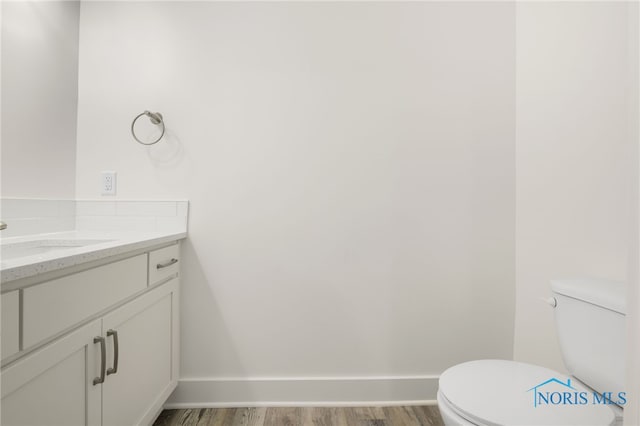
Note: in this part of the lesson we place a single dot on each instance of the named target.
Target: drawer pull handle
(103, 359)
(116, 353)
(167, 263)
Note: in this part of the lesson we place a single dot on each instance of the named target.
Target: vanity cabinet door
(10, 323)
(54, 385)
(145, 332)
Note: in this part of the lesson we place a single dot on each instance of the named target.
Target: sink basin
(33, 248)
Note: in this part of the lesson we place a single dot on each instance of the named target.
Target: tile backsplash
(31, 216)
(34, 216)
(143, 216)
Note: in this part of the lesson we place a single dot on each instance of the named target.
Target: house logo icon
(544, 398)
(557, 392)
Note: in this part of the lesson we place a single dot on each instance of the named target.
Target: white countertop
(115, 243)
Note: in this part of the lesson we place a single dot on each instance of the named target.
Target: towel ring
(156, 118)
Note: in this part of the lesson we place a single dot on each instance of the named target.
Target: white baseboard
(295, 392)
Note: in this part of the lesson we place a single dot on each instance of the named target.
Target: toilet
(590, 321)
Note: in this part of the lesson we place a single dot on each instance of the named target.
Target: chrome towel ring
(156, 118)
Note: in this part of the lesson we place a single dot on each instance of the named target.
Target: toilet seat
(450, 415)
(499, 392)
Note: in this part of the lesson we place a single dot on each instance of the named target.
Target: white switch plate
(109, 183)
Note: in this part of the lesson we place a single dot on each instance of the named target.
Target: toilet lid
(498, 392)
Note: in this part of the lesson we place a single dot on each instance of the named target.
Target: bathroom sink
(33, 248)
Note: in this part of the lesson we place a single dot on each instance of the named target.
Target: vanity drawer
(164, 263)
(56, 305)
(10, 323)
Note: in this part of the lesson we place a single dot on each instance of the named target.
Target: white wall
(39, 98)
(632, 410)
(574, 157)
(351, 177)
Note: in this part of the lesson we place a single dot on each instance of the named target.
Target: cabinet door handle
(167, 263)
(103, 359)
(116, 353)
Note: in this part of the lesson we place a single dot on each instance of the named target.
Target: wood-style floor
(302, 416)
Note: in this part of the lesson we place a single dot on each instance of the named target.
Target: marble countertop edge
(114, 244)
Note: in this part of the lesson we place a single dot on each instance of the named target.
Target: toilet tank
(590, 320)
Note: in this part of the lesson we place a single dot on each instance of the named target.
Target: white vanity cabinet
(147, 358)
(52, 386)
(114, 366)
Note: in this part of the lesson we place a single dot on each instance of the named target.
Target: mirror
(39, 91)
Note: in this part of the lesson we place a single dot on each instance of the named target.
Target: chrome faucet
(3, 226)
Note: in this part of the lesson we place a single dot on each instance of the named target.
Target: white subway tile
(171, 224)
(30, 226)
(67, 208)
(146, 208)
(95, 208)
(134, 223)
(87, 223)
(29, 208)
(182, 208)
(116, 223)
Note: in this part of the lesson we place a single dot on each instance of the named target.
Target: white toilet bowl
(499, 392)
